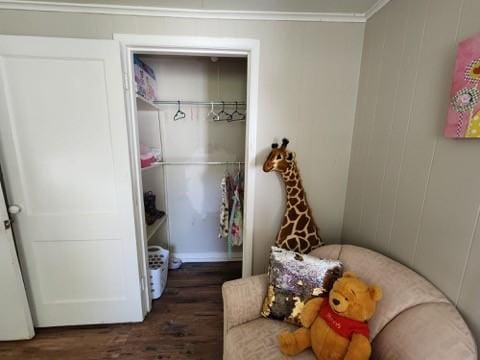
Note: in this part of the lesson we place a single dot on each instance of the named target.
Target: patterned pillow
(295, 278)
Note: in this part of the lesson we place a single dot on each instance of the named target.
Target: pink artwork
(464, 111)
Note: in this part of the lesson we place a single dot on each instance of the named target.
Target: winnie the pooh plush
(336, 327)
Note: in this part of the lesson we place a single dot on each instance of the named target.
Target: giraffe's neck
(293, 184)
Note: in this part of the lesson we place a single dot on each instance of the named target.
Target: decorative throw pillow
(293, 280)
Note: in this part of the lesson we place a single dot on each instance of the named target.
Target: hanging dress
(224, 211)
(235, 234)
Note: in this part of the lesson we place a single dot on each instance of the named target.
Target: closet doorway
(197, 114)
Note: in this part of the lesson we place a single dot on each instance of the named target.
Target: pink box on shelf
(147, 157)
(147, 161)
(464, 112)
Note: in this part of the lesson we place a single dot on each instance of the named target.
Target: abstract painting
(464, 111)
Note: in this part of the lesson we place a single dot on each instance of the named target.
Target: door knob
(14, 209)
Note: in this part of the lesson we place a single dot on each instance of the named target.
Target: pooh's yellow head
(350, 297)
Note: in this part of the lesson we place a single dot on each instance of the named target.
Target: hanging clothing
(224, 211)
(231, 210)
(236, 222)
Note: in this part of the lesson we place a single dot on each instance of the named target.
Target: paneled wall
(412, 193)
(307, 91)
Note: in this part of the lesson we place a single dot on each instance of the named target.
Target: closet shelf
(146, 105)
(152, 229)
(157, 164)
(201, 163)
(152, 166)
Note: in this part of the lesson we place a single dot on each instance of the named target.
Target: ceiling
(307, 6)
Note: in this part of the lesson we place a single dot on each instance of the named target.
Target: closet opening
(191, 156)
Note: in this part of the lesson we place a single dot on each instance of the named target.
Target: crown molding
(108, 9)
(375, 8)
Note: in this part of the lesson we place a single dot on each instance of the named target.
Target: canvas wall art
(464, 111)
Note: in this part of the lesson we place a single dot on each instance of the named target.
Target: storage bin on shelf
(157, 270)
(145, 79)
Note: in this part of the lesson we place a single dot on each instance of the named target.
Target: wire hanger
(237, 115)
(213, 114)
(179, 114)
(226, 116)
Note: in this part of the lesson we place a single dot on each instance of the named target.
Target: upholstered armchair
(413, 321)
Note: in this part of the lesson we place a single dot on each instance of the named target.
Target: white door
(16, 323)
(64, 152)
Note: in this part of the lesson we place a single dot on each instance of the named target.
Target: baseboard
(208, 257)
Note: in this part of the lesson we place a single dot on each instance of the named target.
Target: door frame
(193, 46)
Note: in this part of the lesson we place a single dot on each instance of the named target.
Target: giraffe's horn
(274, 145)
(285, 143)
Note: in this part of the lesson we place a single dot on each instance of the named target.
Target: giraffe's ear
(291, 156)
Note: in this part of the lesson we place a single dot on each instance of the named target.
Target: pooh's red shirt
(341, 325)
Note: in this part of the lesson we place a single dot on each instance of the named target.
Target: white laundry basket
(157, 270)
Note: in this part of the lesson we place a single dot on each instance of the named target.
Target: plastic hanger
(237, 115)
(226, 116)
(179, 114)
(213, 114)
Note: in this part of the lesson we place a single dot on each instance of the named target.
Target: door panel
(53, 168)
(16, 320)
(65, 153)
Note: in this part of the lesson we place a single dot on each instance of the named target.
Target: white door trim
(195, 46)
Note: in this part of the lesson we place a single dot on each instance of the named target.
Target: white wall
(307, 89)
(412, 193)
(193, 193)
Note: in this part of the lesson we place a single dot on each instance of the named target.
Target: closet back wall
(307, 91)
(193, 191)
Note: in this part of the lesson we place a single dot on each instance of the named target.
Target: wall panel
(419, 199)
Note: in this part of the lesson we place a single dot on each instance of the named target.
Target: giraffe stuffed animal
(298, 232)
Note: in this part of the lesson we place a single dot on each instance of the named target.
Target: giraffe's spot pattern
(298, 231)
(292, 215)
(302, 206)
(287, 230)
(303, 221)
(293, 192)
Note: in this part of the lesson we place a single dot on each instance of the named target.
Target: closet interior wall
(193, 197)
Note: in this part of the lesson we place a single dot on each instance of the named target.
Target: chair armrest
(426, 331)
(243, 300)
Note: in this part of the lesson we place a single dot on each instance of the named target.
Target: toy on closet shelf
(298, 231)
(336, 327)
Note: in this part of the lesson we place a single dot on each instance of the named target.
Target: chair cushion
(257, 339)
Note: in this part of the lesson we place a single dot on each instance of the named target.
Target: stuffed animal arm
(310, 312)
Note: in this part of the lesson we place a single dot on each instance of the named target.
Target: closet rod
(202, 163)
(209, 103)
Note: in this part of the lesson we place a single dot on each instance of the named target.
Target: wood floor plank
(185, 323)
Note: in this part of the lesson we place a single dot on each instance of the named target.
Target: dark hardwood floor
(185, 323)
